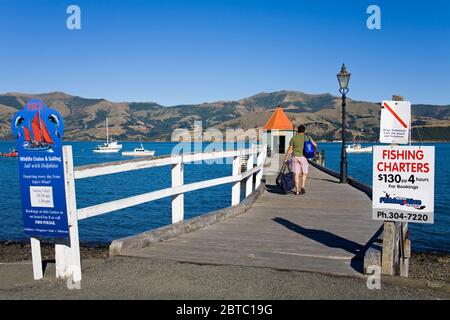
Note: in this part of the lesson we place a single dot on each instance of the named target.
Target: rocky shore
(13, 251)
(430, 266)
(423, 265)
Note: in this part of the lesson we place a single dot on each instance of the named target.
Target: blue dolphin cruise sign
(38, 131)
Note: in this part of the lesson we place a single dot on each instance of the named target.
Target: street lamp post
(343, 78)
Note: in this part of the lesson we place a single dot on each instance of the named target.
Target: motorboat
(109, 146)
(357, 148)
(137, 152)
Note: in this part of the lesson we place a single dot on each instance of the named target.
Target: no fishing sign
(403, 183)
(395, 122)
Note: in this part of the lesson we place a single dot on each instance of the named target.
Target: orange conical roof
(279, 121)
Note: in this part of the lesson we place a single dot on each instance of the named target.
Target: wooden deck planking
(324, 230)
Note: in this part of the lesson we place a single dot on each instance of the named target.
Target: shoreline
(430, 266)
(16, 251)
(205, 141)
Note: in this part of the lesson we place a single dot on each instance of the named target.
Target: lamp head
(343, 78)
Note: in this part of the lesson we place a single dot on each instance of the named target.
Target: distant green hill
(85, 118)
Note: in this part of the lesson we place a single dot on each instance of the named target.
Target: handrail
(120, 204)
(94, 170)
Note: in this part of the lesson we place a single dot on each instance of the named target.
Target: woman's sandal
(297, 193)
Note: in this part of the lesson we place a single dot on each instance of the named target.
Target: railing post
(236, 188)
(178, 200)
(249, 182)
(260, 162)
(71, 253)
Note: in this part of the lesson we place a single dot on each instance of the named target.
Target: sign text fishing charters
(403, 161)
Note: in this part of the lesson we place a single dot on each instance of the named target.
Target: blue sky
(174, 52)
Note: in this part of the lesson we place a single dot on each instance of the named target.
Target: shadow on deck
(328, 230)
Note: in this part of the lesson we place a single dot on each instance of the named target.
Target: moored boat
(357, 148)
(139, 152)
(11, 154)
(108, 146)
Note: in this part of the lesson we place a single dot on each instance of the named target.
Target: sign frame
(403, 189)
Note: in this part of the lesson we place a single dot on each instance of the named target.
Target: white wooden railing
(67, 252)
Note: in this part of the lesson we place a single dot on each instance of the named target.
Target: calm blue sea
(158, 213)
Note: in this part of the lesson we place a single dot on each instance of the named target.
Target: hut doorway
(281, 144)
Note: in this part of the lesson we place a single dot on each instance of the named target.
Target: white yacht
(139, 152)
(109, 146)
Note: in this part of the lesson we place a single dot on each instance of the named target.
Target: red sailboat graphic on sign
(38, 138)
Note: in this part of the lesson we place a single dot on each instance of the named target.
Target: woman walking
(299, 163)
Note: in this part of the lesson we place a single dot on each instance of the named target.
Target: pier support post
(178, 200)
(249, 181)
(236, 188)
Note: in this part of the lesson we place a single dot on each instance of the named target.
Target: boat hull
(9, 155)
(106, 150)
(138, 154)
(364, 150)
(43, 148)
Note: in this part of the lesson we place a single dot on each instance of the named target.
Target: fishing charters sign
(403, 183)
(38, 131)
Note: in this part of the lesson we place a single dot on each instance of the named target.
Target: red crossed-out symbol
(395, 115)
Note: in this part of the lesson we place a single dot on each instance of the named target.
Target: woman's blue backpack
(308, 149)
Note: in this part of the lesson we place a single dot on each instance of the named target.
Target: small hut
(278, 131)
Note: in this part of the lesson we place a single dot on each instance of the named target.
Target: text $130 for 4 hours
(397, 178)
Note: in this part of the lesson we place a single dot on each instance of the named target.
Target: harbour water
(148, 216)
